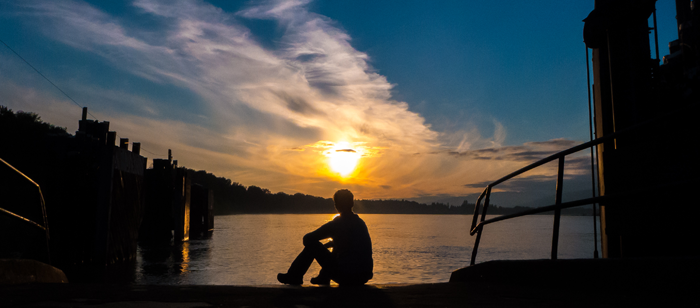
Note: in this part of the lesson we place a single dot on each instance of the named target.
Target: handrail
(27, 220)
(538, 210)
(486, 194)
(44, 227)
(564, 205)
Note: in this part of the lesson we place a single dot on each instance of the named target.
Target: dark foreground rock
(19, 271)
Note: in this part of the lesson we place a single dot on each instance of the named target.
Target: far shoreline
(465, 214)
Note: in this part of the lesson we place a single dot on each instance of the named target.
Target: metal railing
(558, 205)
(45, 226)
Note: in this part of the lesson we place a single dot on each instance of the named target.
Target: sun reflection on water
(184, 267)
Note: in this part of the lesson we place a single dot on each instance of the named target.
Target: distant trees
(27, 142)
(20, 124)
(234, 198)
(409, 207)
(31, 145)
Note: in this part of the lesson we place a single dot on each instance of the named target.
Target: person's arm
(323, 232)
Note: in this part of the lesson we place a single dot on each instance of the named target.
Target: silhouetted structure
(24, 140)
(93, 189)
(655, 166)
(118, 192)
(647, 159)
(167, 214)
(201, 211)
(175, 208)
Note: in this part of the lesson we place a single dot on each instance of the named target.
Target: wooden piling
(111, 138)
(124, 143)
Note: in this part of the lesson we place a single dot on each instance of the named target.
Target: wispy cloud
(528, 152)
(271, 113)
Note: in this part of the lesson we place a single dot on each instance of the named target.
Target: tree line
(234, 198)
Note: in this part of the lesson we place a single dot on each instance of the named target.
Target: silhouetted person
(350, 263)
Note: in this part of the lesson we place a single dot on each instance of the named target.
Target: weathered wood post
(124, 143)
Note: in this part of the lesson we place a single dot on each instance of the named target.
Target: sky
(419, 100)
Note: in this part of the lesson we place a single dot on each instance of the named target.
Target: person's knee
(309, 242)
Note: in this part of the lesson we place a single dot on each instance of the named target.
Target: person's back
(353, 245)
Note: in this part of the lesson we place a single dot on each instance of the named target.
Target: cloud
(297, 104)
(265, 116)
(528, 152)
(537, 186)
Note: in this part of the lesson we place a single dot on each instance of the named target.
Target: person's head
(343, 200)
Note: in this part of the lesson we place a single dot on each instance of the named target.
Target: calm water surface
(252, 249)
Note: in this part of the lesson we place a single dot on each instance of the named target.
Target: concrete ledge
(19, 271)
(579, 272)
(96, 295)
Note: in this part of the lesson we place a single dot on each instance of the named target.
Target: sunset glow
(313, 96)
(342, 158)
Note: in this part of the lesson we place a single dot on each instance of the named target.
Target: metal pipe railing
(564, 205)
(558, 206)
(27, 220)
(557, 211)
(486, 192)
(570, 204)
(486, 195)
(45, 226)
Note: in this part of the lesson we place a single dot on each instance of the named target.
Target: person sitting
(350, 262)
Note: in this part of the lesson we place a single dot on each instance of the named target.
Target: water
(252, 249)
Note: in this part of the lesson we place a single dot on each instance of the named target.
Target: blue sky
(432, 98)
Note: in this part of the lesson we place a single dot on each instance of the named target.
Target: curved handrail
(564, 205)
(27, 220)
(477, 228)
(45, 226)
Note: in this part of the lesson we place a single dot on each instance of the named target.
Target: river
(252, 249)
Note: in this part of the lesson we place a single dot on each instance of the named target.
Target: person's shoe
(318, 280)
(289, 279)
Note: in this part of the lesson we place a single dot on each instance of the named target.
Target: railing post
(45, 227)
(557, 212)
(46, 224)
(475, 215)
(478, 233)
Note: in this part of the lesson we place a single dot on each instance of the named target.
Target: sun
(342, 158)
